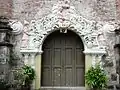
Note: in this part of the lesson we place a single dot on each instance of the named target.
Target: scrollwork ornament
(16, 26)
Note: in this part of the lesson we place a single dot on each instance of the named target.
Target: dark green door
(63, 62)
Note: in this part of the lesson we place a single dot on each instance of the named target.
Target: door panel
(63, 60)
(57, 76)
(57, 56)
(79, 76)
(47, 54)
(68, 56)
(68, 76)
(79, 56)
(46, 76)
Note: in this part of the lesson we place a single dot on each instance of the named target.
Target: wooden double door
(63, 61)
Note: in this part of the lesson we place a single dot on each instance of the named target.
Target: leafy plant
(29, 74)
(96, 78)
(23, 77)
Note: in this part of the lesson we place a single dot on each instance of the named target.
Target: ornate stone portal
(63, 17)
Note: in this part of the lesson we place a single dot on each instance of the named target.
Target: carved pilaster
(26, 58)
(33, 60)
(96, 56)
(29, 59)
(93, 60)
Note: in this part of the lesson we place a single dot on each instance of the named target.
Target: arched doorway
(63, 60)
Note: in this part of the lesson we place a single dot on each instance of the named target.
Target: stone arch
(58, 30)
(40, 47)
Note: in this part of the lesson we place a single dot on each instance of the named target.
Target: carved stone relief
(98, 37)
(106, 37)
(16, 26)
(63, 16)
(25, 35)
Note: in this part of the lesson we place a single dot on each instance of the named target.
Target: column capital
(39, 53)
(95, 51)
(31, 52)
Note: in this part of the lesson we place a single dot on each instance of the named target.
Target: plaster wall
(6, 8)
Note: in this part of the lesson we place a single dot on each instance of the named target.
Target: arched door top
(68, 34)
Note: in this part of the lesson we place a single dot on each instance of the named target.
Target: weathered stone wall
(6, 8)
(90, 9)
(118, 9)
(102, 10)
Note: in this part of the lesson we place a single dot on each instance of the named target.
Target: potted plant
(96, 79)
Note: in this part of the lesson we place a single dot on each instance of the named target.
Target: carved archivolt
(63, 16)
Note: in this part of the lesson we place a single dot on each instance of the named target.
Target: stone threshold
(63, 88)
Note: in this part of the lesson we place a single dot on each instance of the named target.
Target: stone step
(62, 88)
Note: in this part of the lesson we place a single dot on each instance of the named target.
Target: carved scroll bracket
(17, 26)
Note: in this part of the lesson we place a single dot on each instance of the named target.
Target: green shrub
(23, 76)
(29, 74)
(96, 78)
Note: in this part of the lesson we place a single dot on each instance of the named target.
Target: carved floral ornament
(63, 16)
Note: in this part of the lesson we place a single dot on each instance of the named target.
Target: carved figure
(25, 35)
